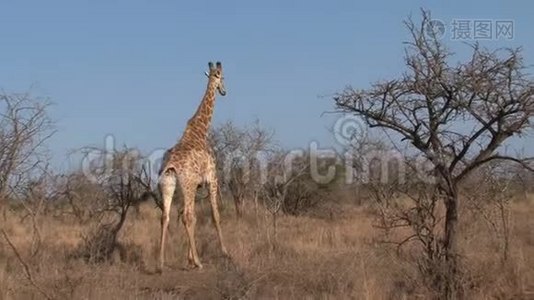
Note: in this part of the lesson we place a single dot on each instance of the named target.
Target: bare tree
(78, 197)
(36, 197)
(284, 171)
(240, 152)
(24, 128)
(371, 162)
(456, 116)
(125, 184)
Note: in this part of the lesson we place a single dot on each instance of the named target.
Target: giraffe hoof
(193, 265)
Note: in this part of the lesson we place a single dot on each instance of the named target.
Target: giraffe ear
(207, 74)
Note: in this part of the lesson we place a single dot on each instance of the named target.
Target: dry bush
(411, 222)
(24, 128)
(124, 186)
(79, 199)
(240, 153)
(290, 186)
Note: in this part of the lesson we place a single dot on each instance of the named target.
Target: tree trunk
(505, 219)
(451, 244)
(256, 205)
(3, 208)
(238, 202)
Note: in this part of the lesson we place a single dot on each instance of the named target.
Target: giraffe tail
(155, 195)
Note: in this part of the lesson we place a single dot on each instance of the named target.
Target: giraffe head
(215, 75)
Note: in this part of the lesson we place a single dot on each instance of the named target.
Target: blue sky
(134, 69)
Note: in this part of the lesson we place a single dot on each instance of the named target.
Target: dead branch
(26, 268)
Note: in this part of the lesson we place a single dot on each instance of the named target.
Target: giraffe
(190, 163)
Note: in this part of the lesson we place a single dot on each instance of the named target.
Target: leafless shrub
(79, 197)
(125, 185)
(240, 153)
(491, 200)
(24, 128)
(409, 214)
(377, 172)
(289, 187)
(36, 197)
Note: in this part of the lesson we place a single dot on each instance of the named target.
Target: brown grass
(338, 256)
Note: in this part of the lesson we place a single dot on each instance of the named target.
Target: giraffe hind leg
(213, 194)
(189, 219)
(167, 185)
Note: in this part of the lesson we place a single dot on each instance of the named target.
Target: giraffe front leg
(167, 186)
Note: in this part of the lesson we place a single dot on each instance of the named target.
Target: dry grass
(339, 256)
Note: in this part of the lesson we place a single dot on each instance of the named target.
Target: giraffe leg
(189, 219)
(214, 192)
(167, 185)
(190, 259)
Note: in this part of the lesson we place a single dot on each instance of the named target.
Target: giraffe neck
(198, 126)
